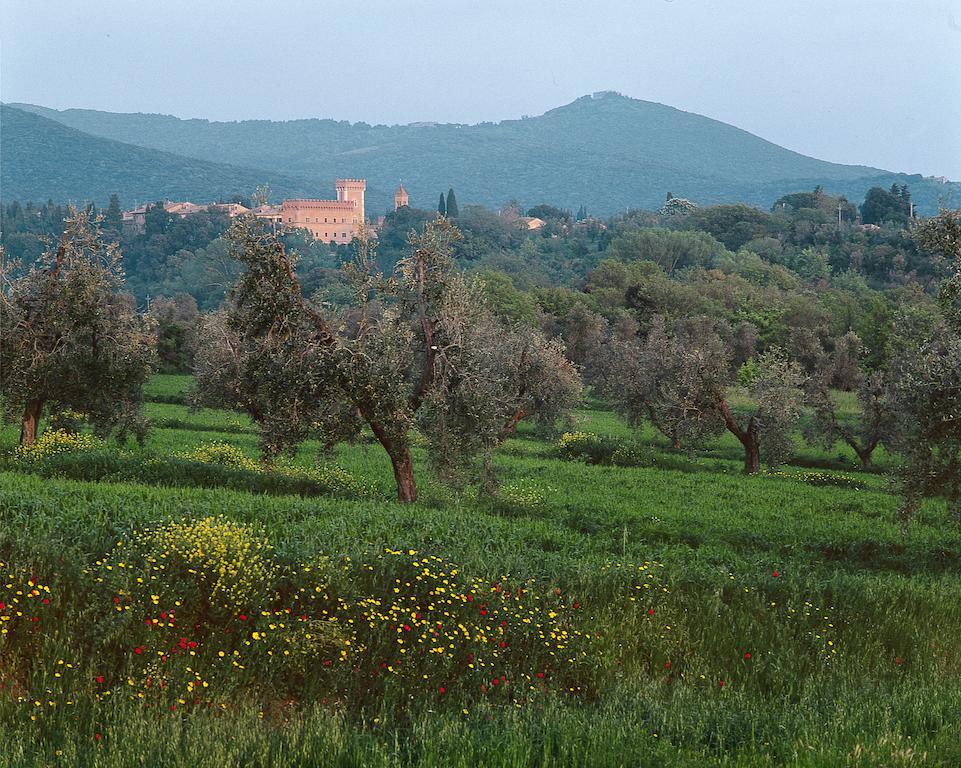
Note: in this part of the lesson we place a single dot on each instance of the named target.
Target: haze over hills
(607, 152)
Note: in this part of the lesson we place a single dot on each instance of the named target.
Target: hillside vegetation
(44, 159)
(607, 152)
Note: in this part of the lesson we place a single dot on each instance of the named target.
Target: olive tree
(926, 375)
(670, 380)
(774, 384)
(416, 349)
(680, 381)
(876, 422)
(69, 338)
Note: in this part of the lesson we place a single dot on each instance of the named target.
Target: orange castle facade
(333, 221)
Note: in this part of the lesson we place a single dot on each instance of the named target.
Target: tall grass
(794, 624)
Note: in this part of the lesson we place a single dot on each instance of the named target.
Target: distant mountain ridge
(607, 152)
(43, 159)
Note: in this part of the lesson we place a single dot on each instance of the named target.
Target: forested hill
(607, 152)
(44, 159)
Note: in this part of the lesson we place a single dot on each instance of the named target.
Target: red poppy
(97, 737)
(747, 655)
(443, 690)
(776, 574)
(650, 611)
(721, 682)
(138, 650)
(99, 678)
(667, 665)
(242, 617)
(540, 674)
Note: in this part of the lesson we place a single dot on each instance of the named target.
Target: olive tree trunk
(31, 421)
(750, 438)
(400, 461)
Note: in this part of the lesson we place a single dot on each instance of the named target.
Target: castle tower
(352, 190)
(400, 197)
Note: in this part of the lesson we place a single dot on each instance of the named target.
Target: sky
(873, 82)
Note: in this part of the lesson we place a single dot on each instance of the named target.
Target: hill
(607, 151)
(45, 159)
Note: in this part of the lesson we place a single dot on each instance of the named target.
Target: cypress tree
(113, 218)
(442, 206)
(452, 212)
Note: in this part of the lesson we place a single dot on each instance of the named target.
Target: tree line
(462, 357)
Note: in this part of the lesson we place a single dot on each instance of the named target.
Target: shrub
(67, 420)
(584, 445)
(210, 568)
(222, 454)
(55, 442)
(520, 499)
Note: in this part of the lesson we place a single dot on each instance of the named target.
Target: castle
(333, 221)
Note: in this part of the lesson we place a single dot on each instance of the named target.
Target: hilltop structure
(400, 197)
(333, 221)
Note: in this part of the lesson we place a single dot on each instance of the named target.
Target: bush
(55, 442)
(520, 499)
(584, 446)
(222, 454)
(210, 569)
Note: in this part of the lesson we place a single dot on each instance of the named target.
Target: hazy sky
(876, 82)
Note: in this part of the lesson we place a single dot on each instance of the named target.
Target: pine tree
(442, 206)
(452, 212)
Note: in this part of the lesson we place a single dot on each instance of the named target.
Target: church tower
(400, 197)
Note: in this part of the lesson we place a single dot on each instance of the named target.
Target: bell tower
(400, 197)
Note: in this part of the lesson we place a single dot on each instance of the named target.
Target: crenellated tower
(352, 190)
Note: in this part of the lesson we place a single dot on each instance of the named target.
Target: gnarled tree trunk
(31, 421)
(401, 461)
(404, 476)
(749, 438)
(752, 448)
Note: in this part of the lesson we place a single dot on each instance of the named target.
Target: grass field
(672, 614)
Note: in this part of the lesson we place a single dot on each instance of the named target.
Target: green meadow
(664, 610)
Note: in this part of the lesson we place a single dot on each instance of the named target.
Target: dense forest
(799, 276)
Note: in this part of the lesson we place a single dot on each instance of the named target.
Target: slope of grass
(788, 624)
